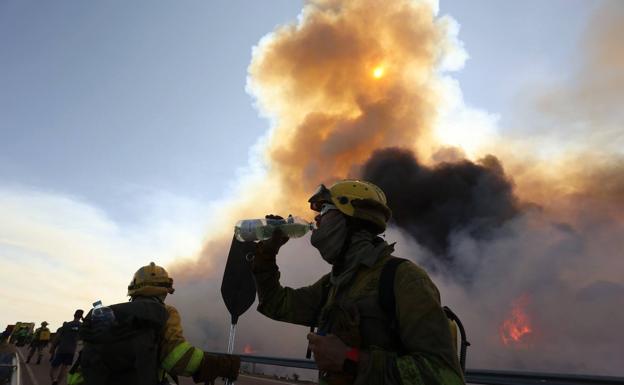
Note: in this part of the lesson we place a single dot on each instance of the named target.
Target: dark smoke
(434, 203)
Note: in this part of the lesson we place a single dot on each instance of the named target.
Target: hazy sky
(108, 101)
(123, 123)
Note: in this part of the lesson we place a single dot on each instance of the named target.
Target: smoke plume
(433, 204)
(353, 89)
(349, 78)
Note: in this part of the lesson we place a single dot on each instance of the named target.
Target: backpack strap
(387, 300)
(317, 312)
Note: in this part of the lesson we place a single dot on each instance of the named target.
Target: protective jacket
(412, 347)
(179, 358)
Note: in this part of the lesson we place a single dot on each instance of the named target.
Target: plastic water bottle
(103, 316)
(260, 229)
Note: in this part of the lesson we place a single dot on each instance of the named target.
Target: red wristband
(353, 354)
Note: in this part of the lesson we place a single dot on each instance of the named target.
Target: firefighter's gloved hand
(278, 239)
(217, 365)
(266, 251)
(329, 351)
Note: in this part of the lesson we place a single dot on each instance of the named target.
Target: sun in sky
(378, 72)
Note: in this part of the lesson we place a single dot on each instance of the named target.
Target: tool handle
(230, 348)
(309, 352)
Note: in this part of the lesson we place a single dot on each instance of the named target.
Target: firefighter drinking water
(359, 339)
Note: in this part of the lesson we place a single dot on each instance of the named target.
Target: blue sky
(122, 123)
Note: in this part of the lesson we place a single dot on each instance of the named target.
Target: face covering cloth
(329, 238)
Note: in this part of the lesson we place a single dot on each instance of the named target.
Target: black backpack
(126, 353)
(68, 333)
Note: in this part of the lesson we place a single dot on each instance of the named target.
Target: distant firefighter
(141, 342)
(63, 347)
(40, 340)
(19, 336)
(4, 337)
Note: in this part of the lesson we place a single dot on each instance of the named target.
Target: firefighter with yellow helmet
(360, 338)
(40, 340)
(145, 343)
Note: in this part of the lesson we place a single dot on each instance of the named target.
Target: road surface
(33, 374)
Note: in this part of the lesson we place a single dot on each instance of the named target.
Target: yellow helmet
(355, 198)
(150, 280)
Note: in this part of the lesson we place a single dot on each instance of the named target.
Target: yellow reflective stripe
(194, 362)
(75, 378)
(174, 356)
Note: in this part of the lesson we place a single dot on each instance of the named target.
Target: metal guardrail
(279, 361)
(500, 377)
(488, 377)
(15, 377)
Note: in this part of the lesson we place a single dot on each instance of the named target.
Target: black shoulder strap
(326, 286)
(387, 300)
(324, 295)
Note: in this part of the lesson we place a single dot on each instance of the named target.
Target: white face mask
(329, 238)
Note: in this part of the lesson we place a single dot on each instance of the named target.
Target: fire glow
(248, 349)
(517, 326)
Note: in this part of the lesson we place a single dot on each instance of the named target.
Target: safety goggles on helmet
(321, 196)
(326, 207)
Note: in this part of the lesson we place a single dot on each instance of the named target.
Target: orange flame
(248, 349)
(518, 325)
